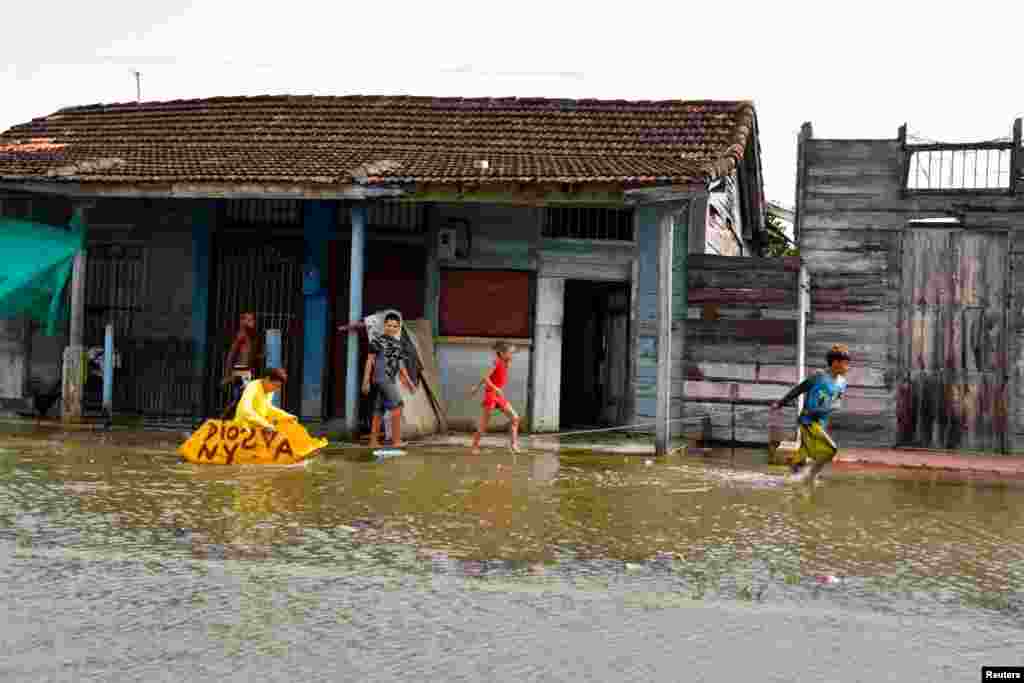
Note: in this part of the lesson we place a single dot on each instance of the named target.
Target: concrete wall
(503, 238)
(462, 365)
(14, 340)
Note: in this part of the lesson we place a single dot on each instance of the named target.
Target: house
(531, 220)
(914, 253)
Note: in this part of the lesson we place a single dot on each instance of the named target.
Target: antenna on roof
(138, 86)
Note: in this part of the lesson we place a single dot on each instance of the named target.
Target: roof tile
(412, 139)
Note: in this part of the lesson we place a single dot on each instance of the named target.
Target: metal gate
(114, 282)
(953, 390)
(152, 376)
(252, 273)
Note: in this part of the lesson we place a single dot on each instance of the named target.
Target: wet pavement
(120, 563)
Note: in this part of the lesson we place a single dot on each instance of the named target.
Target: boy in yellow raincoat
(825, 390)
(255, 409)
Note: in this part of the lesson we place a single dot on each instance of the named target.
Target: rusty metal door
(263, 275)
(953, 389)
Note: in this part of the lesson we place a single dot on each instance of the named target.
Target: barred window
(589, 223)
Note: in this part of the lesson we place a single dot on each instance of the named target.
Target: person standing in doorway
(244, 359)
(385, 365)
(494, 396)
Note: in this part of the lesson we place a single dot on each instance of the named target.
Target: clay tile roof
(312, 139)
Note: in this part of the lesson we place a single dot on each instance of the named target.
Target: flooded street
(120, 563)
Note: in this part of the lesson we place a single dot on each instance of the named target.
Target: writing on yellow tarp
(227, 443)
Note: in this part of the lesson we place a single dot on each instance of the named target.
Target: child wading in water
(494, 396)
(385, 364)
(825, 390)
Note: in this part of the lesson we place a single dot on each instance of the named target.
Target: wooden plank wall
(740, 343)
(851, 214)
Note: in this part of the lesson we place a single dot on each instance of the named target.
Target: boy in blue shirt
(825, 390)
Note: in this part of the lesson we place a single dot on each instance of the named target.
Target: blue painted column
(202, 245)
(355, 312)
(108, 372)
(645, 377)
(319, 220)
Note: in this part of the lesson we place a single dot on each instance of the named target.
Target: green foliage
(778, 243)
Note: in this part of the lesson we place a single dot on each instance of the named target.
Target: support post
(1017, 160)
(75, 365)
(202, 246)
(664, 381)
(432, 293)
(108, 372)
(274, 359)
(681, 219)
(355, 312)
(804, 284)
(547, 354)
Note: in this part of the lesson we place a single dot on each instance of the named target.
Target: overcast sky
(855, 70)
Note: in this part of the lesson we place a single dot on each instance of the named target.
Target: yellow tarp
(219, 442)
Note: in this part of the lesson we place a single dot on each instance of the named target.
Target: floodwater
(120, 563)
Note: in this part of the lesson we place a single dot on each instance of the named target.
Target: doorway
(595, 354)
(954, 304)
(394, 277)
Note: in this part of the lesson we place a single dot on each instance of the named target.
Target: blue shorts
(388, 397)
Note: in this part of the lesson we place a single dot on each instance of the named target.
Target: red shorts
(495, 402)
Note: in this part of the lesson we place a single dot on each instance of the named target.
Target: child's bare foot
(476, 450)
(400, 444)
(515, 448)
(374, 442)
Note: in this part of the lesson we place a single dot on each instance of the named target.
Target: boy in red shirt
(494, 396)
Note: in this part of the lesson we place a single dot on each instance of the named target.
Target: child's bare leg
(514, 419)
(375, 432)
(480, 429)
(396, 427)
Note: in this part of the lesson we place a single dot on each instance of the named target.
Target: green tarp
(35, 263)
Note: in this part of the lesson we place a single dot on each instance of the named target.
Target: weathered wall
(14, 339)
(851, 214)
(644, 321)
(724, 231)
(509, 238)
(741, 342)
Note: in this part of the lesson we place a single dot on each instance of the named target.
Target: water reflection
(695, 529)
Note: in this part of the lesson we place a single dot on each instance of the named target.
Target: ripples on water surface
(441, 566)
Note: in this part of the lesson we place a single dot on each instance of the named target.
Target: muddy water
(121, 563)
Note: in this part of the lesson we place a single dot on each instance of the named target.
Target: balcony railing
(976, 168)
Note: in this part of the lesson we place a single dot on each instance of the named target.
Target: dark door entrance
(394, 277)
(953, 391)
(264, 276)
(595, 354)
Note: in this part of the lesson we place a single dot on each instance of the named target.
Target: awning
(35, 263)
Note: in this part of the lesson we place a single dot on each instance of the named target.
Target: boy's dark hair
(501, 347)
(392, 316)
(279, 375)
(838, 352)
